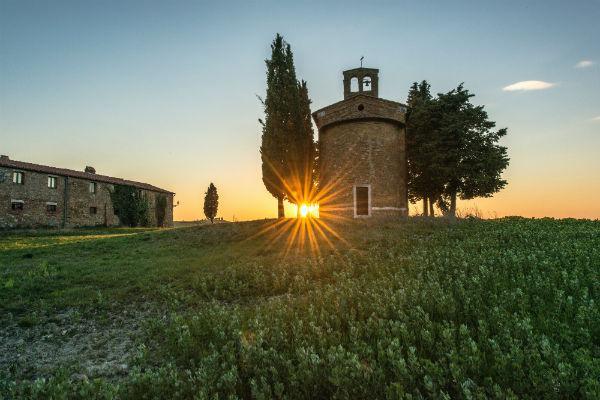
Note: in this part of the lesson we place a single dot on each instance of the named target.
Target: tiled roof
(353, 98)
(6, 162)
(360, 107)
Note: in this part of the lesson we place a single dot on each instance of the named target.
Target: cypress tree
(211, 202)
(287, 148)
(305, 148)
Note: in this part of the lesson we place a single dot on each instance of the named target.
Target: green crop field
(413, 309)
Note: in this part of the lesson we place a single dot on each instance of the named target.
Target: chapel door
(362, 201)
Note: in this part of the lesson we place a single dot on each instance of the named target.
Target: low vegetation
(421, 308)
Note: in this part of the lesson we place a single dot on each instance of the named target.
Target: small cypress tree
(211, 202)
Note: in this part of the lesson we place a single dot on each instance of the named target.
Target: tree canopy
(453, 149)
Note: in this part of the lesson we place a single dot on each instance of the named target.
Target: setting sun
(304, 210)
(309, 210)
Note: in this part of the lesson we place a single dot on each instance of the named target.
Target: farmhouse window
(18, 177)
(16, 205)
(51, 207)
(52, 182)
(92, 187)
(93, 210)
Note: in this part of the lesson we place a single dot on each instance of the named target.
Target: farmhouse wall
(83, 208)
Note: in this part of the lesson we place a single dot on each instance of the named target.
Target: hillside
(502, 308)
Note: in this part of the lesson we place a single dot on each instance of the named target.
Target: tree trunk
(452, 211)
(431, 211)
(425, 209)
(280, 210)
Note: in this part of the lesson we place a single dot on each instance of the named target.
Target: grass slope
(416, 309)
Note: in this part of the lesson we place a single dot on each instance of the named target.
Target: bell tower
(361, 81)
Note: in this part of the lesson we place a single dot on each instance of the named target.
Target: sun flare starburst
(317, 213)
(319, 208)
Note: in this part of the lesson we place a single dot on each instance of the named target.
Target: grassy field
(411, 309)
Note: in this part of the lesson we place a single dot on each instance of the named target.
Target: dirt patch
(87, 346)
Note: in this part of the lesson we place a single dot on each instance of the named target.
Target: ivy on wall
(130, 205)
(160, 209)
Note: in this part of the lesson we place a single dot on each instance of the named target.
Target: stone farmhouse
(362, 151)
(33, 195)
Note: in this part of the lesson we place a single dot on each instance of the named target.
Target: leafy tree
(211, 202)
(452, 149)
(287, 149)
(425, 181)
(473, 161)
(130, 205)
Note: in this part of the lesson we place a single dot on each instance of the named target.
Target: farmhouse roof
(5, 161)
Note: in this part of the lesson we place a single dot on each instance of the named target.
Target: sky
(166, 92)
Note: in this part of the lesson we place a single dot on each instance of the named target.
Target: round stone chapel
(362, 151)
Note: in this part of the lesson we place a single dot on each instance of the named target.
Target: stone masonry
(42, 196)
(362, 151)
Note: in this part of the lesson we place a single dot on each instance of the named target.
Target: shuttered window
(18, 177)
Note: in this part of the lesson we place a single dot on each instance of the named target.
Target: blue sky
(165, 92)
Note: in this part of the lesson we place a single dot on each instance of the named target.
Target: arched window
(366, 84)
(354, 84)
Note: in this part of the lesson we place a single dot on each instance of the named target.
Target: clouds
(528, 85)
(584, 64)
(596, 119)
(523, 86)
